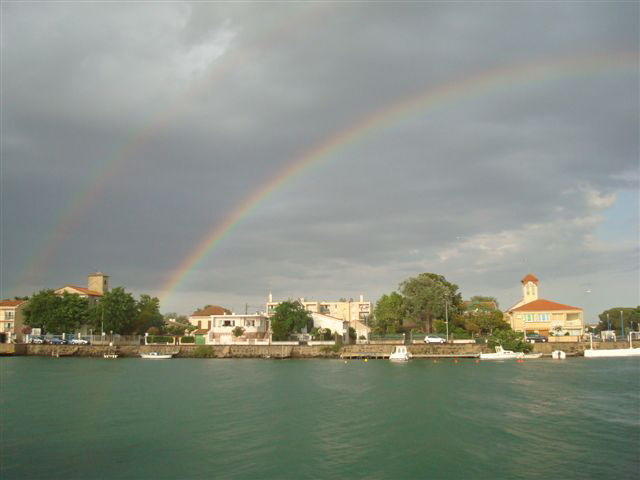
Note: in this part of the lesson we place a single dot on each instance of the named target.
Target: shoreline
(281, 351)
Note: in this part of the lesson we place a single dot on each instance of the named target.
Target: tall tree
(630, 317)
(148, 314)
(73, 312)
(42, 311)
(389, 313)
(290, 317)
(427, 296)
(118, 310)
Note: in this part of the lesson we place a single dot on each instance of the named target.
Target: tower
(98, 282)
(529, 288)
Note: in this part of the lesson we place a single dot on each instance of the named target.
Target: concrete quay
(287, 351)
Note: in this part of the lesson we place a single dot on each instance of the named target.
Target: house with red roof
(11, 320)
(97, 286)
(538, 315)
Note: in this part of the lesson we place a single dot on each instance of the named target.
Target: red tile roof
(542, 305)
(529, 277)
(86, 291)
(211, 310)
(11, 303)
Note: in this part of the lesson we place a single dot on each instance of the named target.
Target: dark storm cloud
(201, 103)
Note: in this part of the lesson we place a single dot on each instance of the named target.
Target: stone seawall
(279, 351)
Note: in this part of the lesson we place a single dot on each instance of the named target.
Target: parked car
(536, 338)
(36, 340)
(78, 341)
(56, 341)
(434, 339)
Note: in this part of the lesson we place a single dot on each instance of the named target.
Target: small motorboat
(501, 354)
(400, 354)
(532, 355)
(156, 355)
(110, 355)
(558, 355)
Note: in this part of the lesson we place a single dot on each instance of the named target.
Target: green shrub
(203, 351)
(159, 339)
(237, 332)
(188, 340)
(331, 348)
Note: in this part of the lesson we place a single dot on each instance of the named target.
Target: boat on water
(532, 355)
(501, 354)
(156, 355)
(110, 355)
(400, 354)
(612, 352)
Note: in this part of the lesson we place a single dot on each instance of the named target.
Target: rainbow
(70, 218)
(470, 86)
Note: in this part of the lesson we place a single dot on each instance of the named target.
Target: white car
(434, 339)
(78, 341)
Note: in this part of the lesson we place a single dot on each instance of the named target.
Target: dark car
(536, 338)
(56, 341)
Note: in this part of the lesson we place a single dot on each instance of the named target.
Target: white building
(230, 329)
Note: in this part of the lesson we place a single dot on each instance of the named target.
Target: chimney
(361, 298)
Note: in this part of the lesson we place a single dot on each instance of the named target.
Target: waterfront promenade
(286, 351)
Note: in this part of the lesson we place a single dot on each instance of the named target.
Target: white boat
(532, 355)
(156, 355)
(558, 355)
(110, 355)
(400, 354)
(501, 354)
(612, 352)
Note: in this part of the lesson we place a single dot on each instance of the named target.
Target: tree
(290, 317)
(118, 310)
(388, 313)
(42, 310)
(630, 317)
(426, 296)
(148, 314)
(237, 332)
(73, 312)
(56, 314)
(510, 340)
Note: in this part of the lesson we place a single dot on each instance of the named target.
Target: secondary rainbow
(470, 86)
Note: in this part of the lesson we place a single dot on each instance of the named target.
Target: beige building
(12, 320)
(537, 315)
(355, 313)
(201, 319)
(97, 285)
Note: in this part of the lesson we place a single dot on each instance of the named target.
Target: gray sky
(133, 129)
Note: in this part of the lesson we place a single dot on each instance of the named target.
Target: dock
(383, 356)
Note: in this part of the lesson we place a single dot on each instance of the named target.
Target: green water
(191, 418)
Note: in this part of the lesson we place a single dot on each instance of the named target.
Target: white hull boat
(400, 354)
(532, 355)
(501, 354)
(110, 355)
(612, 352)
(156, 356)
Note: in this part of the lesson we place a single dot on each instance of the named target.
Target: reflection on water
(192, 418)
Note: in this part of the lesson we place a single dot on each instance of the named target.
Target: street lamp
(621, 324)
(446, 316)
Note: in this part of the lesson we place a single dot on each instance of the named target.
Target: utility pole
(246, 308)
(622, 324)
(446, 316)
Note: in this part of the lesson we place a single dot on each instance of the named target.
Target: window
(528, 317)
(543, 317)
(8, 327)
(249, 323)
(9, 315)
(228, 323)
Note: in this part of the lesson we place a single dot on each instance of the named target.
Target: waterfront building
(201, 319)
(230, 329)
(11, 320)
(355, 313)
(537, 315)
(97, 286)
